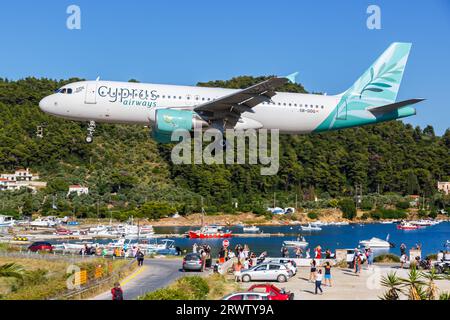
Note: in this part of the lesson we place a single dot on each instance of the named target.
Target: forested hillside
(124, 168)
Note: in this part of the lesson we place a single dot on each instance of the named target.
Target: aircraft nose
(44, 104)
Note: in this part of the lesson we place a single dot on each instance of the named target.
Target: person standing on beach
(318, 278)
(358, 264)
(327, 269)
(312, 273)
(369, 258)
(117, 292)
(140, 257)
(402, 249)
(298, 253)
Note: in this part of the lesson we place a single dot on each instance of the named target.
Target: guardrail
(90, 284)
(94, 284)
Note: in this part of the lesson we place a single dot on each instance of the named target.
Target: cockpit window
(64, 90)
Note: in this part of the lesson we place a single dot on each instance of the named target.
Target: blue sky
(183, 42)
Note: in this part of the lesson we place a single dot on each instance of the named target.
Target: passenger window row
(198, 98)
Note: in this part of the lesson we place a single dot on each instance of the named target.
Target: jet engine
(169, 120)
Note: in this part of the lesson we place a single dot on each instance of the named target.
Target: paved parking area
(345, 284)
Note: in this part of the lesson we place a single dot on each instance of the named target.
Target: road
(155, 274)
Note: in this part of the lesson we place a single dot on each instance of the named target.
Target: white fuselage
(136, 103)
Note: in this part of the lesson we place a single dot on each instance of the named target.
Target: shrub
(375, 215)
(196, 286)
(433, 214)
(187, 288)
(402, 205)
(366, 204)
(388, 214)
(388, 257)
(166, 294)
(313, 215)
(348, 209)
(365, 216)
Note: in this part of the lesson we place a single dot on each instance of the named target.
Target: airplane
(166, 108)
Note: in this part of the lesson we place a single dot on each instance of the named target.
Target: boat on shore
(310, 227)
(48, 222)
(211, 231)
(6, 221)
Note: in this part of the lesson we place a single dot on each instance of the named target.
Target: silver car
(266, 272)
(290, 263)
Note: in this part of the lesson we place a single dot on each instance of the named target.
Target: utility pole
(274, 200)
(296, 201)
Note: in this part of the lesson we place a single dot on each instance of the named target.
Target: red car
(40, 246)
(274, 292)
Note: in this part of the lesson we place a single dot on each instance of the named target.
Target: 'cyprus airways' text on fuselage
(166, 108)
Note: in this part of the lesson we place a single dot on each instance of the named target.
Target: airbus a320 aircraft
(166, 108)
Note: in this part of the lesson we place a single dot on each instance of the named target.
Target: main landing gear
(90, 130)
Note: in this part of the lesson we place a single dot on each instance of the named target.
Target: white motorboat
(423, 223)
(310, 227)
(376, 243)
(251, 229)
(6, 221)
(49, 221)
(387, 222)
(300, 242)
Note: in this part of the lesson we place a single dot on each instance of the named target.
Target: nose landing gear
(90, 130)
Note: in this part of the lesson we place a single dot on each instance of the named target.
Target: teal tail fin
(378, 86)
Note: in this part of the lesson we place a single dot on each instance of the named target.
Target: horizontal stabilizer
(393, 106)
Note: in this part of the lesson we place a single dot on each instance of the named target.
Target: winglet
(292, 77)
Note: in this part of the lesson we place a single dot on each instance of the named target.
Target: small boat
(387, 222)
(423, 223)
(211, 231)
(407, 226)
(44, 222)
(6, 221)
(310, 227)
(376, 243)
(63, 232)
(251, 229)
(300, 242)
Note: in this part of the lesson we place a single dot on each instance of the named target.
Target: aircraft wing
(244, 100)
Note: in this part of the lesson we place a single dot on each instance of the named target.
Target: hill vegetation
(129, 174)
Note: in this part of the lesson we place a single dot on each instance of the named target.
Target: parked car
(266, 272)
(247, 296)
(274, 292)
(40, 246)
(192, 262)
(290, 263)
